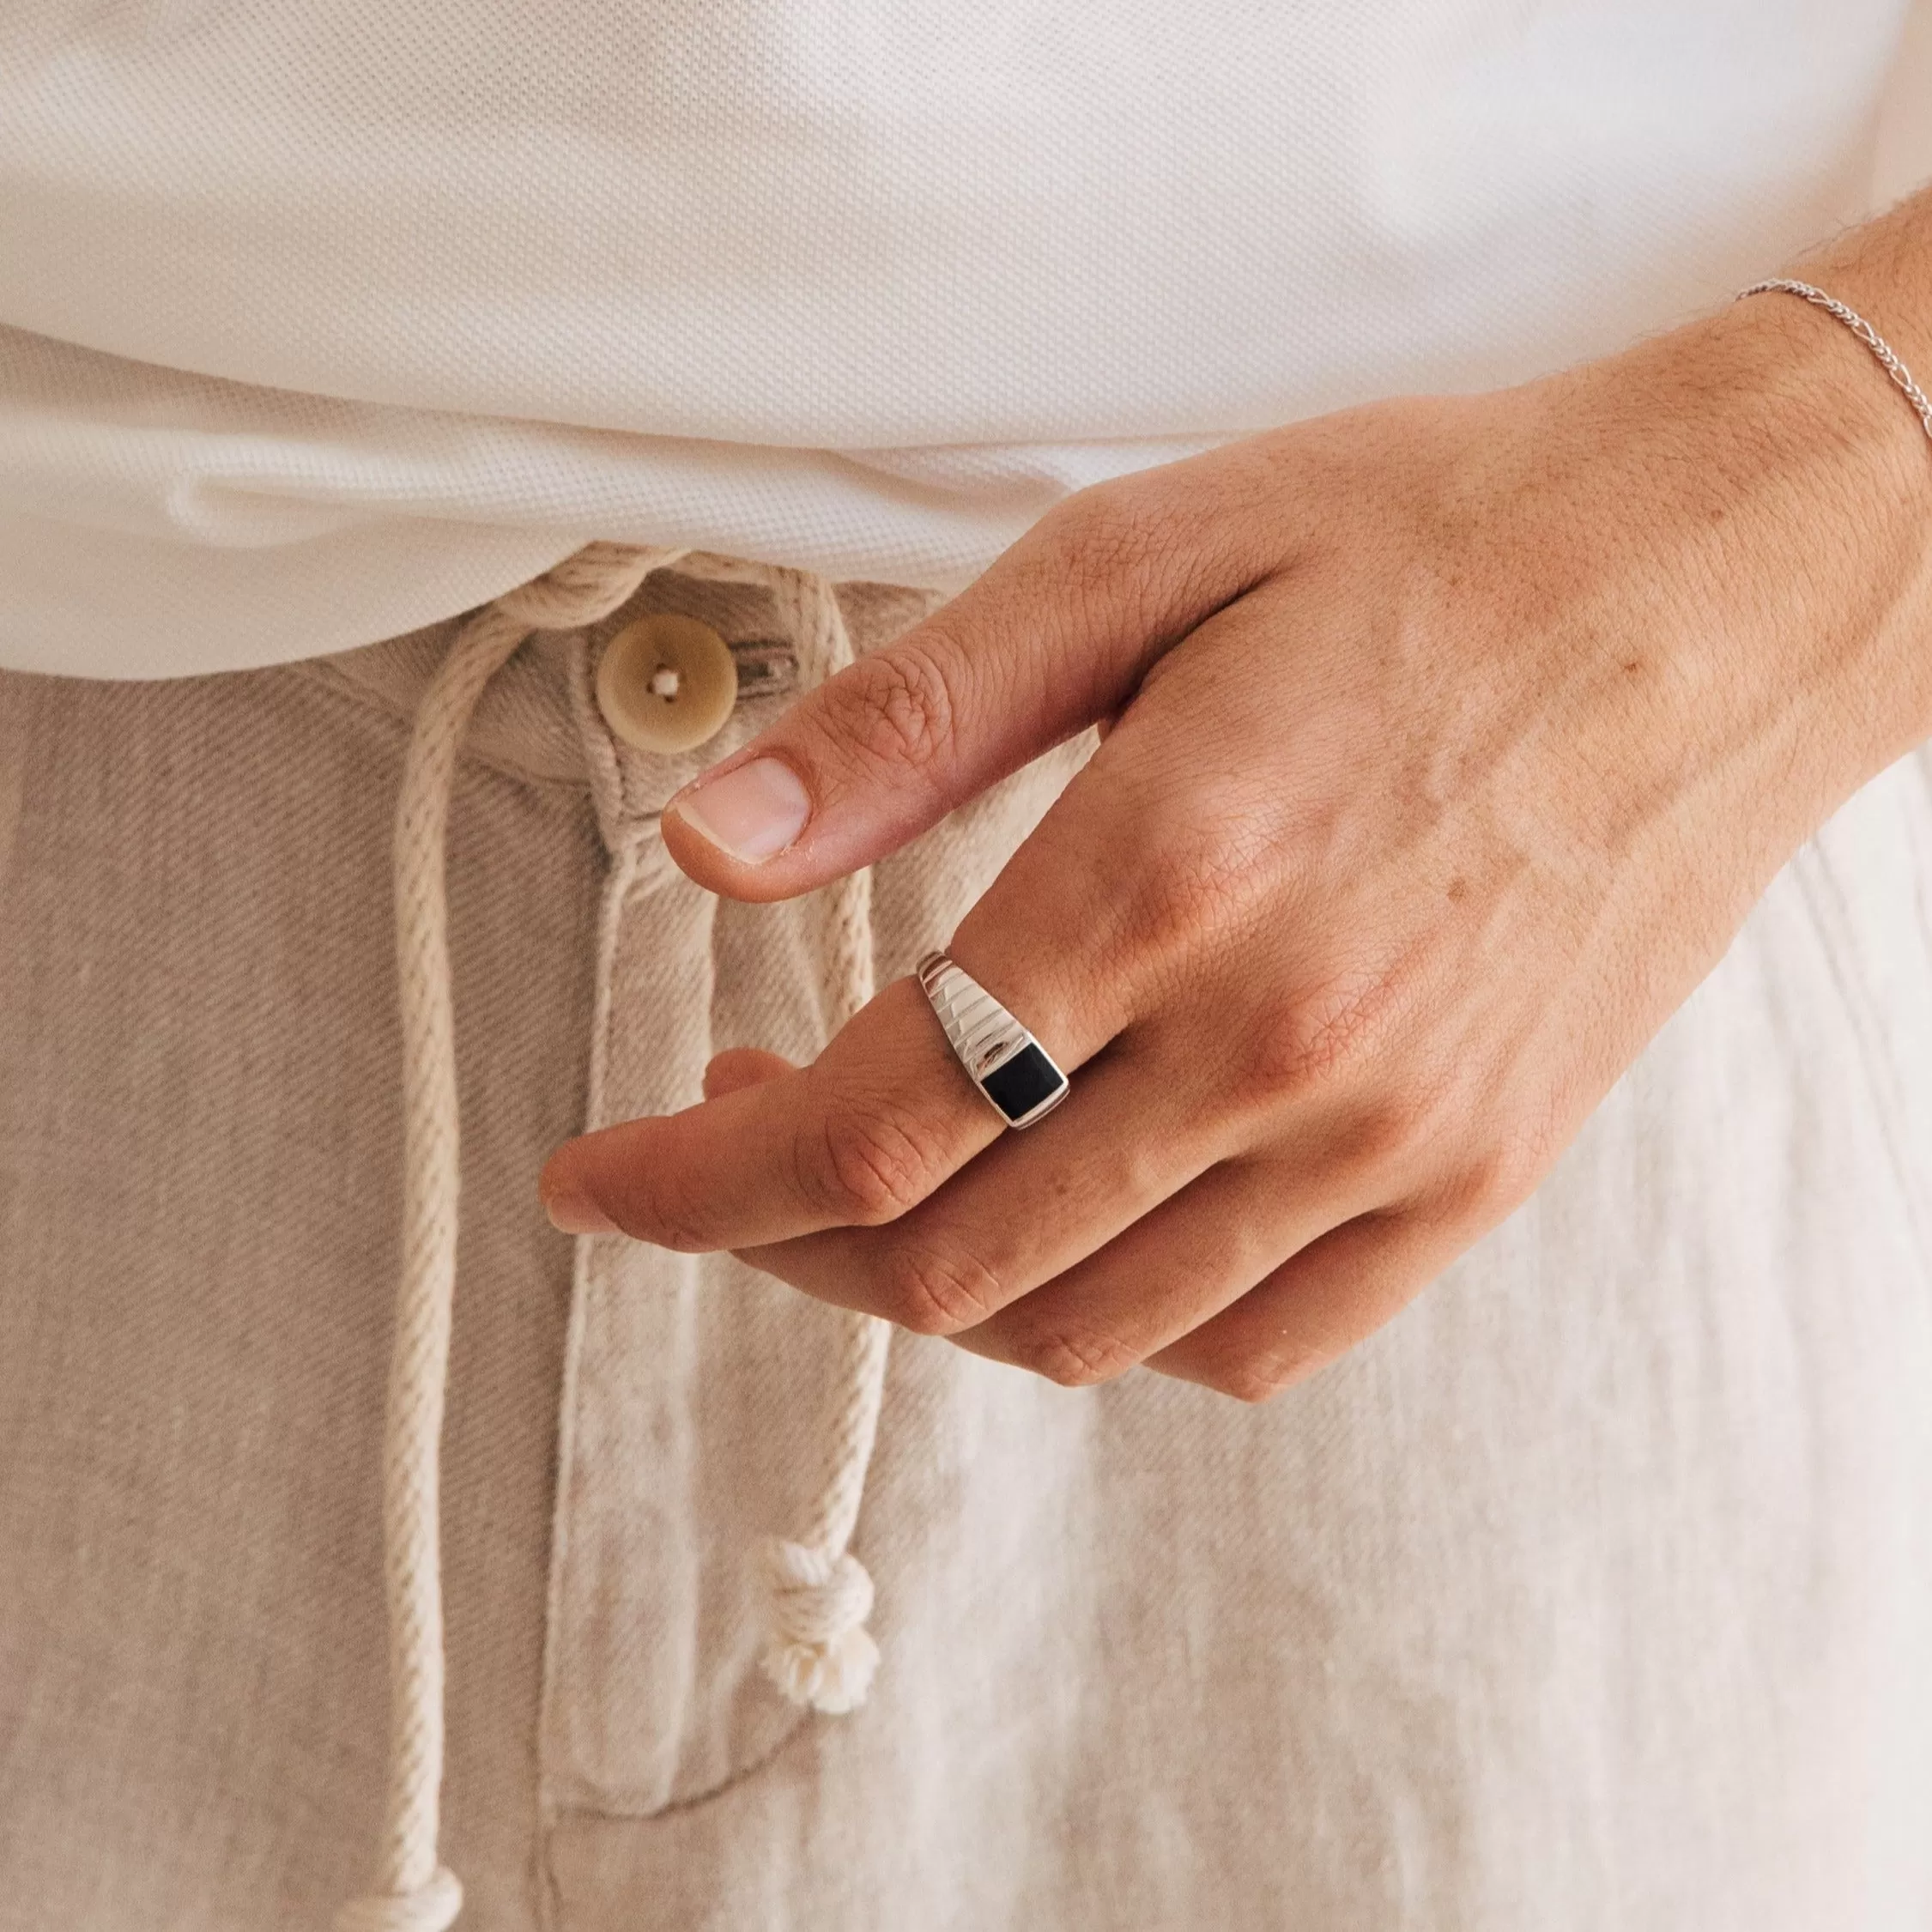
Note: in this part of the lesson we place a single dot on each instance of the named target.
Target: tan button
(667, 683)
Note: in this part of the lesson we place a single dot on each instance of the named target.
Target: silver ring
(1004, 1061)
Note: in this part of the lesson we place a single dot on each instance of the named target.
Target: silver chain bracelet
(1863, 329)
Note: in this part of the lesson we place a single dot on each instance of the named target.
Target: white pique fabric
(818, 1651)
(320, 320)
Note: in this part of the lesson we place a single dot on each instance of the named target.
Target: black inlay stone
(1026, 1079)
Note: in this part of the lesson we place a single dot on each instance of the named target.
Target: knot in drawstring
(818, 1651)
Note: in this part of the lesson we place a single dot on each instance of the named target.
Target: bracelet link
(1887, 357)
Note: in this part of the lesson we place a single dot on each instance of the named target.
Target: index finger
(882, 1118)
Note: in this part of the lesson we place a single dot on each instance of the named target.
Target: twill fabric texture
(1594, 1591)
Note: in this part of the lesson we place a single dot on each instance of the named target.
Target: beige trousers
(1596, 1592)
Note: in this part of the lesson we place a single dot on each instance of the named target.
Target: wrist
(1870, 613)
(1815, 476)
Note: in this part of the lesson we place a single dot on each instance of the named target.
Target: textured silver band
(1887, 356)
(1003, 1060)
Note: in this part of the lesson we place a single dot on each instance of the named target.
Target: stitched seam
(620, 1809)
(552, 1815)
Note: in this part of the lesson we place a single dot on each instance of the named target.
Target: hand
(1455, 739)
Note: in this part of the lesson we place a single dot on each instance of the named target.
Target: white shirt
(328, 317)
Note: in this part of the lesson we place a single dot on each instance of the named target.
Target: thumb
(1054, 637)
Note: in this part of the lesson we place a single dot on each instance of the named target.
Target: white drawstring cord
(412, 1891)
(819, 1650)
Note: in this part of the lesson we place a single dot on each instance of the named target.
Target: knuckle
(1255, 1379)
(1317, 1043)
(1253, 1383)
(665, 1230)
(865, 1162)
(1383, 1140)
(1487, 1185)
(897, 710)
(1106, 535)
(934, 1294)
(1478, 1188)
(1075, 1360)
(648, 1204)
(1129, 554)
(1188, 884)
(1115, 536)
